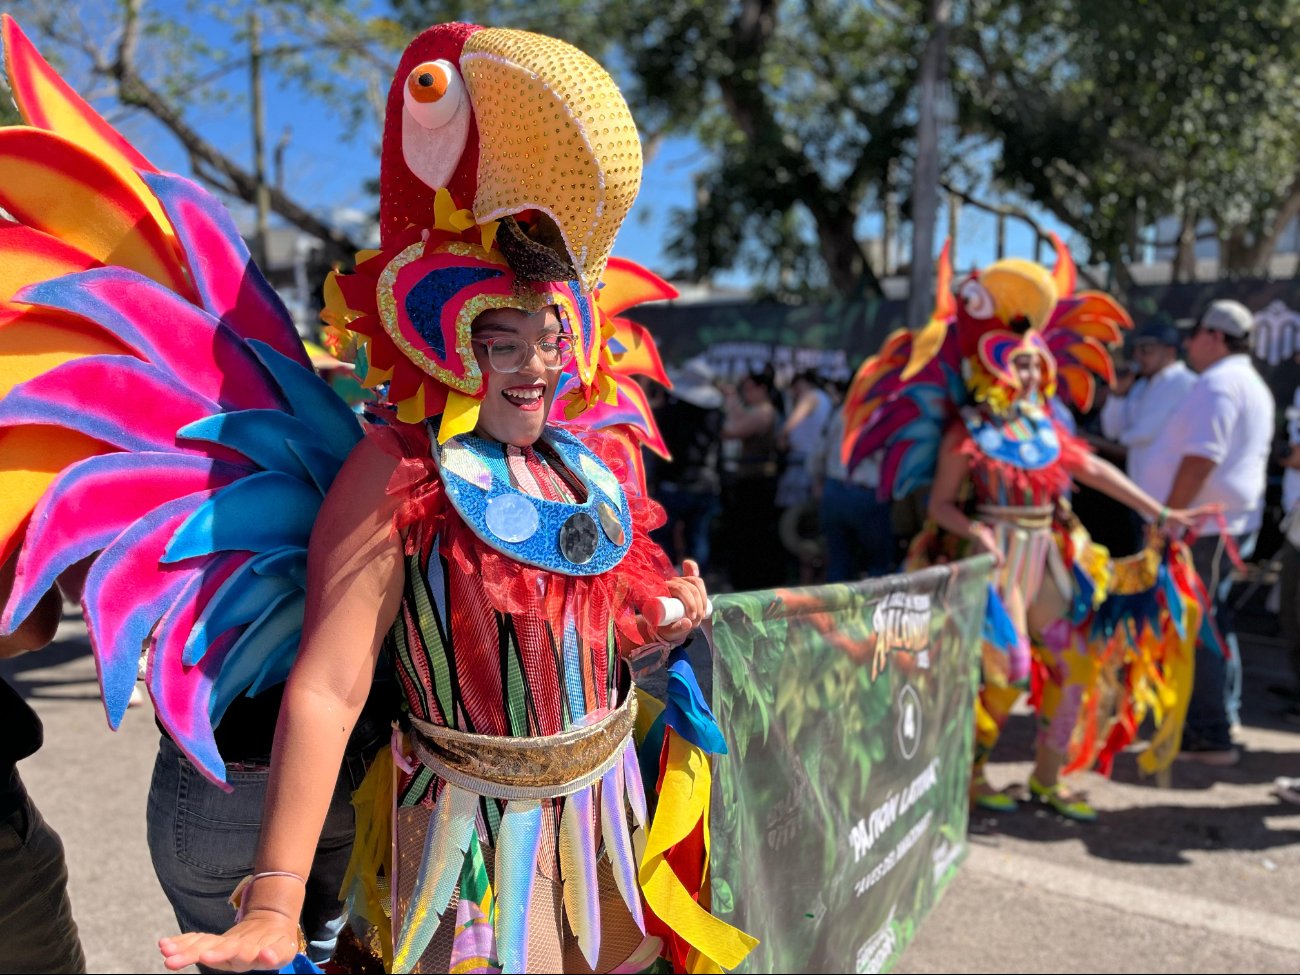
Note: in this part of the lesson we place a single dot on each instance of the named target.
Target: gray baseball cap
(1228, 317)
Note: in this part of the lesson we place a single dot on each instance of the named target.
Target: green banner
(841, 811)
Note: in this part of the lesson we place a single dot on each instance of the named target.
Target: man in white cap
(1221, 437)
(1142, 403)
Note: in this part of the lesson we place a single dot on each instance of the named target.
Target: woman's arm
(355, 578)
(949, 478)
(803, 408)
(741, 422)
(1094, 472)
(41, 623)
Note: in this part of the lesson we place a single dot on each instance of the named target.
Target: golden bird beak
(556, 139)
(1020, 289)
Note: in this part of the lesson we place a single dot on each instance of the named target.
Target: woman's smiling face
(515, 404)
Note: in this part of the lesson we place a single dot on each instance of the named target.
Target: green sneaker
(984, 796)
(1075, 809)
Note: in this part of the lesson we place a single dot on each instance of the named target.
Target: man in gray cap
(1222, 438)
(1140, 406)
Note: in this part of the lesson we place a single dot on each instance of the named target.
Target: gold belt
(546, 767)
(1036, 516)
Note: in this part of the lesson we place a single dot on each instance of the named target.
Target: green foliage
(1114, 108)
(812, 733)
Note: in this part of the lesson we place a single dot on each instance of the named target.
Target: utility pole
(925, 187)
(954, 220)
(263, 202)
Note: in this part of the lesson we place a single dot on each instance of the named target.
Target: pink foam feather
(91, 503)
(127, 591)
(117, 399)
(181, 694)
(229, 284)
(166, 330)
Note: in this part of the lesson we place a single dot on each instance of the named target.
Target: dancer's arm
(41, 623)
(944, 511)
(1094, 472)
(355, 578)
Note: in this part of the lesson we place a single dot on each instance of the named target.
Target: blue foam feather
(998, 631)
(241, 599)
(687, 712)
(248, 657)
(313, 401)
(289, 562)
(260, 435)
(262, 512)
(321, 466)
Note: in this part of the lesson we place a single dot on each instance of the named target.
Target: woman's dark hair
(765, 377)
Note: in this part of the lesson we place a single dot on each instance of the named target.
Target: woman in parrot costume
(963, 407)
(484, 533)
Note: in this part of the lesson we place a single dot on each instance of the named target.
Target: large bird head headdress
(1016, 307)
(509, 162)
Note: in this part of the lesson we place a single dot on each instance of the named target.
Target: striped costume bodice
(466, 665)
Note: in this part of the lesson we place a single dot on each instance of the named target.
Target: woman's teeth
(524, 396)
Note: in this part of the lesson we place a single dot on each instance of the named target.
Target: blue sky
(326, 168)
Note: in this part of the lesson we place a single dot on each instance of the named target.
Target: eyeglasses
(509, 353)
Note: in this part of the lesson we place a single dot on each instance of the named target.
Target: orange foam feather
(53, 185)
(31, 457)
(627, 283)
(28, 256)
(641, 357)
(35, 340)
(48, 102)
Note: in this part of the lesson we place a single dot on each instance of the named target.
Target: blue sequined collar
(573, 538)
(1024, 438)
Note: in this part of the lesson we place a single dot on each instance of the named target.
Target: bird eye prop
(976, 300)
(433, 93)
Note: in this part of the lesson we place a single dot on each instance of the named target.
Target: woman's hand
(689, 589)
(1176, 522)
(263, 940)
(986, 539)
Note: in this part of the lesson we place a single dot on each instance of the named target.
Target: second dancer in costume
(966, 402)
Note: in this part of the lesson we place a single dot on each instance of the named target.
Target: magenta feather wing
(181, 693)
(94, 501)
(202, 354)
(119, 400)
(127, 590)
(229, 284)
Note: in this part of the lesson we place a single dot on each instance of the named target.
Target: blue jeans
(1216, 691)
(203, 841)
(37, 933)
(859, 532)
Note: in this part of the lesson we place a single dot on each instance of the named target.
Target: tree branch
(1007, 210)
(132, 90)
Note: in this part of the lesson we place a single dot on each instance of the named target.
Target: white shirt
(1227, 418)
(1138, 419)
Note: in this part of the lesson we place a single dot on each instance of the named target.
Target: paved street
(1202, 876)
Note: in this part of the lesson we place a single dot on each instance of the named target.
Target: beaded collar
(1023, 438)
(572, 538)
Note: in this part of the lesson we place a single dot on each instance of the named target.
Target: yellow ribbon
(683, 803)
